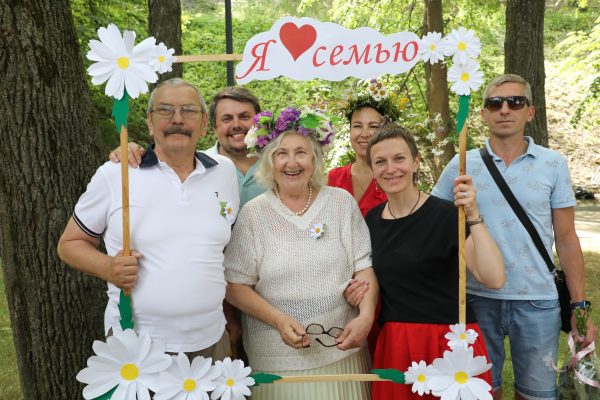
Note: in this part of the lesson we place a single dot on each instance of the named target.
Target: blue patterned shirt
(540, 181)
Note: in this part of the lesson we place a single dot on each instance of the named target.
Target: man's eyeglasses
(514, 102)
(167, 112)
(332, 334)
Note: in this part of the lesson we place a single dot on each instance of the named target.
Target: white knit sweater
(303, 277)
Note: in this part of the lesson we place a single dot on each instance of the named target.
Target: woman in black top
(415, 256)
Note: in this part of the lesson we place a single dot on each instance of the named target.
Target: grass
(9, 378)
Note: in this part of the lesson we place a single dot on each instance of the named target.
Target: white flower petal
(99, 387)
(129, 41)
(480, 388)
(142, 392)
(100, 52)
(111, 37)
(218, 392)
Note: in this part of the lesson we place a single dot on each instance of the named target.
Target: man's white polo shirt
(181, 232)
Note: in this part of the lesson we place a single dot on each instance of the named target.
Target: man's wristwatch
(585, 305)
(476, 221)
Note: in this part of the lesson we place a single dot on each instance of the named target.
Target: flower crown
(377, 96)
(306, 122)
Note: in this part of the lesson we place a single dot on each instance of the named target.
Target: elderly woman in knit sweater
(292, 252)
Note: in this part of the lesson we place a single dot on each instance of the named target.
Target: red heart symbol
(297, 40)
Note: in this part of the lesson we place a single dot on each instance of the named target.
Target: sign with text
(304, 49)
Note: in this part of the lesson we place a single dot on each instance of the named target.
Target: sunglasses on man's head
(514, 102)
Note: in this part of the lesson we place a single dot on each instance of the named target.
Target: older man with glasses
(183, 204)
(526, 309)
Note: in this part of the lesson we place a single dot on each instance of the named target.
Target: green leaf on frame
(392, 374)
(261, 379)
(463, 112)
(125, 311)
(120, 110)
(107, 395)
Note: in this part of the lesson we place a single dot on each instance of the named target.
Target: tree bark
(164, 23)
(437, 85)
(524, 56)
(49, 149)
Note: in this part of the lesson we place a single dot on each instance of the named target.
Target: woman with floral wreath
(365, 112)
(292, 252)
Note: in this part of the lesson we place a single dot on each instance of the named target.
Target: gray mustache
(172, 130)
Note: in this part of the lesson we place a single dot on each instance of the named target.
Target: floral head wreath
(374, 95)
(267, 127)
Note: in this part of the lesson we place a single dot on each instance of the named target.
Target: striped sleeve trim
(85, 228)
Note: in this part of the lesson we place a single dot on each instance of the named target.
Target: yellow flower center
(161, 59)
(432, 47)
(229, 210)
(421, 378)
(130, 372)
(462, 336)
(189, 385)
(462, 46)
(230, 382)
(465, 77)
(123, 62)
(461, 377)
(317, 230)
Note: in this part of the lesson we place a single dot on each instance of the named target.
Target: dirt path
(587, 224)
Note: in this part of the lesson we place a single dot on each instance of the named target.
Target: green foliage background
(572, 33)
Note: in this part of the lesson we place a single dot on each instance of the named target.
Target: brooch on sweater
(317, 231)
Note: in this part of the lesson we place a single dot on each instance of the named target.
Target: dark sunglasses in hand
(514, 102)
(318, 329)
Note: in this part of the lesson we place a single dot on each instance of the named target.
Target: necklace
(310, 190)
(411, 210)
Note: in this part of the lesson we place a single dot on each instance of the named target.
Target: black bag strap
(514, 204)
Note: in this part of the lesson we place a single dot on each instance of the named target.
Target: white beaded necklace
(310, 191)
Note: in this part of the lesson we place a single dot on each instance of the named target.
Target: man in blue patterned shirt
(526, 309)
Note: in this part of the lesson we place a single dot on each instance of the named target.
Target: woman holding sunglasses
(292, 252)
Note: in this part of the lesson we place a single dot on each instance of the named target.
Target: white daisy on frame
(418, 375)
(457, 376)
(162, 60)
(125, 66)
(466, 78)
(462, 45)
(234, 382)
(431, 48)
(129, 362)
(460, 336)
(316, 231)
(187, 382)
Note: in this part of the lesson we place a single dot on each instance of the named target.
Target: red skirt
(401, 343)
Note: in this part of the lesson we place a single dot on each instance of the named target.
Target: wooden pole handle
(462, 260)
(125, 194)
(208, 57)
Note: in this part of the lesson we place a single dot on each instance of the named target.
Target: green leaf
(261, 379)
(125, 311)
(311, 121)
(107, 395)
(463, 112)
(392, 374)
(120, 110)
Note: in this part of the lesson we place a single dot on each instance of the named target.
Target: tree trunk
(49, 149)
(164, 23)
(524, 56)
(437, 85)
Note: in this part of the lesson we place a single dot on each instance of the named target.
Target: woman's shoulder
(339, 176)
